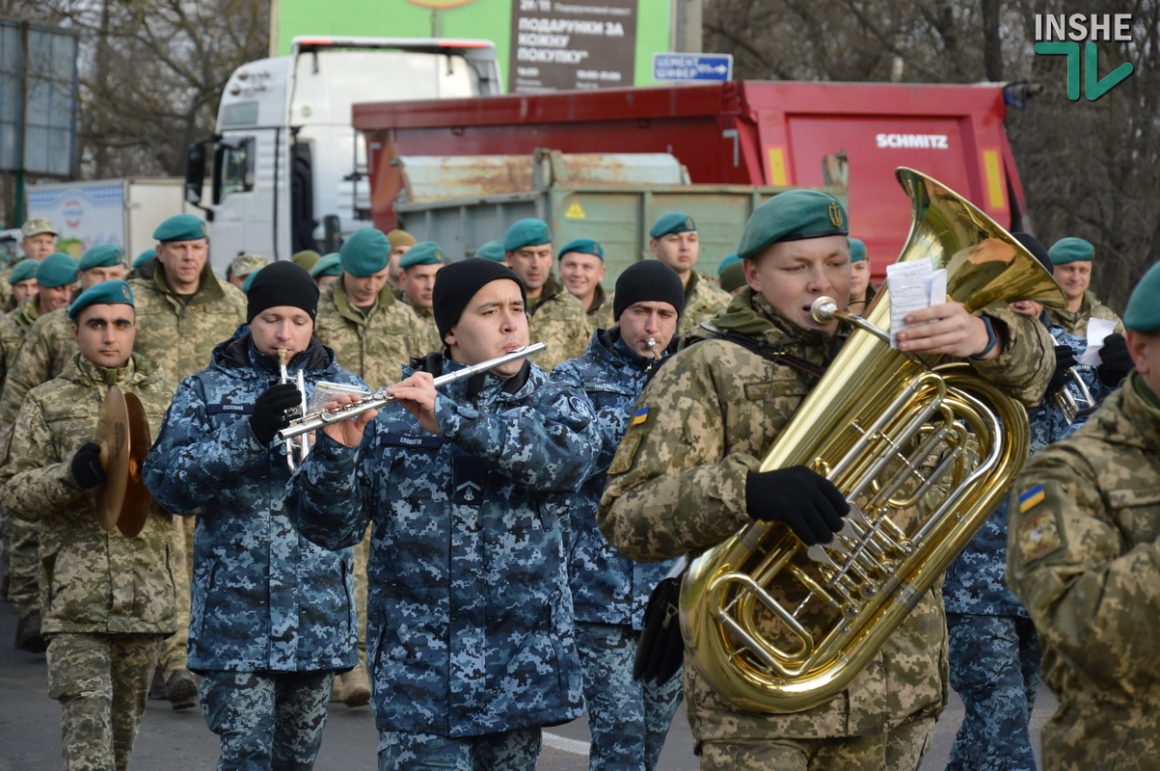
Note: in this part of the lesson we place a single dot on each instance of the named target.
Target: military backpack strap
(777, 355)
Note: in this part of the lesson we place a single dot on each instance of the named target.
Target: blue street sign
(692, 66)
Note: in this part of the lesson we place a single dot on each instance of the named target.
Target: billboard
(38, 99)
(543, 45)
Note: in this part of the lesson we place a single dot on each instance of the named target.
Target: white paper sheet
(913, 286)
(1097, 330)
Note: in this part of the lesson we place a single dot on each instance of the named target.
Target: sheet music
(912, 286)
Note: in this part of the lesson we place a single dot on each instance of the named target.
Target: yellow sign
(575, 212)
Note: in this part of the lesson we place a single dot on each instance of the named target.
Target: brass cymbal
(138, 500)
(123, 434)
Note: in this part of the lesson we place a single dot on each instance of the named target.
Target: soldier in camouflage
(22, 283)
(183, 311)
(582, 271)
(419, 266)
(108, 598)
(1072, 259)
(628, 719)
(56, 276)
(242, 267)
(554, 315)
(273, 614)
(373, 334)
(38, 240)
(471, 628)
(994, 651)
(673, 240)
(686, 477)
(1083, 555)
(401, 242)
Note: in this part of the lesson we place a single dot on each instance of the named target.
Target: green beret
(328, 265)
(400, 238)
(583, 246)
(730, 259)
(423, 253)
(365, 253)
(22, 271)
(306, 259)
(733, 277)
(144, 257)
(492, 250)
(56, 270)
(857, 250)
(673, 222)
(102, 256)
(105, 293)
(529, 232)
(250, 280)
(181, 227)
(245, 264)
(794, 215)
(1071, 249)
(1143, 311)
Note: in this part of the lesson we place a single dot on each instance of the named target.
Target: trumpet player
(628, 719)
(272, 617)
(108, 599)
(685, 477)
(1084, 557)
(471, 624)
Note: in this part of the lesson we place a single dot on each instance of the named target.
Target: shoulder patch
(1039, 536)
(626, 453)
(639, 417)
(1030, 498)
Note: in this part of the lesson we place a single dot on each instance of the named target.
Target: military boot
(181, 690)
(356, 687)
(28, 636)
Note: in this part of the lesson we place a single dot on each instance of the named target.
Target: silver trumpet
(298, 449)
(379, 398)
(1071, 405)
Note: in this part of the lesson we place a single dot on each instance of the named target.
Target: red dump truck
(743, 132)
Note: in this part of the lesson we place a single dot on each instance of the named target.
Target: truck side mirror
(194, 172)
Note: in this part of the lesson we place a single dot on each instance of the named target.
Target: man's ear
(1138, 344)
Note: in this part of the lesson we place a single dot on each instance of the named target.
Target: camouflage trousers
(266, 720)
(100, 681)
(173, 654)
(900, 749)
(511, 751)
(23, 567)
(628, 720)
(994, 667)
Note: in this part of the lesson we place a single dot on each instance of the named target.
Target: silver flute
(379, 398)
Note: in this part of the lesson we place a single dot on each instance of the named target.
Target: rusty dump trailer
(773, 134)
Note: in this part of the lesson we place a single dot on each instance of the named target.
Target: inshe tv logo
(1061, 35)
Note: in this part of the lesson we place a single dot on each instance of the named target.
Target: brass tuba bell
(775, 627)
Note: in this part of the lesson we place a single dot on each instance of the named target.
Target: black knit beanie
(282, 283)
(1038, 250)
(648, 281)
(457, 283)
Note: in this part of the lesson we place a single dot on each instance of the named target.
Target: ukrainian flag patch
(1031, 498)
(639, 417)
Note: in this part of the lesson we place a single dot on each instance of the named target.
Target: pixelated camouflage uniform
(628, 720)
(1090, 308)
(107, 600)
(1084, 556)
(558, 319)
(432, 343)
(599, 313)
(678, 483)
(19, 535)
(703, 301)
(471, 629)
(994, 651)
(49, 346)
(178, 334)
(265, 599)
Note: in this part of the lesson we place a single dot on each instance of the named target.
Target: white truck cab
(288, 172)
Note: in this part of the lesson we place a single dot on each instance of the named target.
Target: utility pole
(686, 36)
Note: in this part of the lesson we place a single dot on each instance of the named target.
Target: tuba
(775, 627)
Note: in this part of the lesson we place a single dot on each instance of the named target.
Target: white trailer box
(116, 211)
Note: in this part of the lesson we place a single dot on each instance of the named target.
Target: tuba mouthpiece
(823, 309)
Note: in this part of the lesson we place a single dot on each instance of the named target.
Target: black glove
(1064, 360)
(1115, 362)
(806, 501)
(270, 411)
(86, 466)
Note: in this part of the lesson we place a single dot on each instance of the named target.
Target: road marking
(565, 744)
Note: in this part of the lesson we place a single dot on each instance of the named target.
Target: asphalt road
(30, 729)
